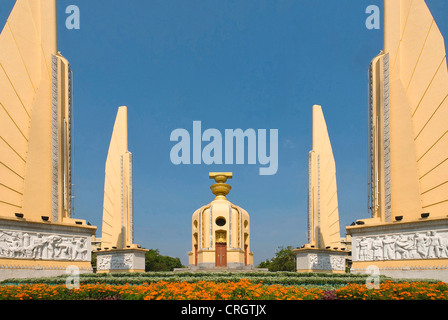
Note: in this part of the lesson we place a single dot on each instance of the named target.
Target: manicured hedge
(268, 278)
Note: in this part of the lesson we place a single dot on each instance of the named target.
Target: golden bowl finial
(220, 189)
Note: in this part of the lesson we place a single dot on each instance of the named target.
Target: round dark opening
(220, 221)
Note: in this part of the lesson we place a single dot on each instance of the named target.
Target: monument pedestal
(30, 249)
(234, 266)
(120, 260)
(320, 260)
(402, 249)
(199, 268)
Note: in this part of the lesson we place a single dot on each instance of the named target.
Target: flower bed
(162, 290)
(395, 291)
(210, 290)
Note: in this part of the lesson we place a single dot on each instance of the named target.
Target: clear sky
(229, 64)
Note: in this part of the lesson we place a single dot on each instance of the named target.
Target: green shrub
(281, 277)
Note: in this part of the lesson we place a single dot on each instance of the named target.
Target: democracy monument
(220, 231)
(406, 235)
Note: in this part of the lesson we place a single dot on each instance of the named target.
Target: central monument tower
(220, 231)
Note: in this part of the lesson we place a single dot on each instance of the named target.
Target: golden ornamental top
(220, 189)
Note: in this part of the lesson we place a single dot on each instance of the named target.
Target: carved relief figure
(388, 250)
(422, 243)
(363, 249)
(51, 246)
(16, 246)
(65, 249)
(79, 249)
(38, 245)
(377, 246)
(27, 245)
(4, 247)
(402, 246)
(435, 245)
(444, 245)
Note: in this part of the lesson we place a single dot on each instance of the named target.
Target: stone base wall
(39, 249)
(40, 268)
(415, 249)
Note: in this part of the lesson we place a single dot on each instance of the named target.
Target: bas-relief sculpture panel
(115, 262)
(35, 245)
(326, 262)
(416, 245)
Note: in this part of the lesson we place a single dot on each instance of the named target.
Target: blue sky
(230, 64)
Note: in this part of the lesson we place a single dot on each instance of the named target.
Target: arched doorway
(220, 249)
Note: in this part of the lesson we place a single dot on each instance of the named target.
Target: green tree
(93, 260)
(284, 260)
(154, 261)
(265, 264)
